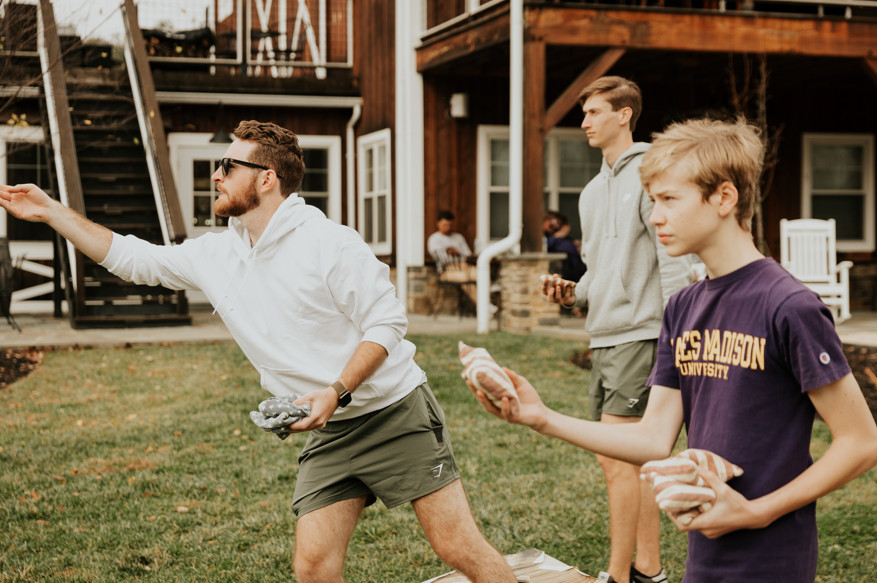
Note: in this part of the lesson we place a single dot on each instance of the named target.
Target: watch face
(344, 399)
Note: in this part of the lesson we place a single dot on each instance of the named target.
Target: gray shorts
(398, 454)
(618, 378)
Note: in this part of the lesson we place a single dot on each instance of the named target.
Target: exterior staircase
(113, 168)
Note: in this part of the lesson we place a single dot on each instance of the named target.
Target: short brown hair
(713, 152)
(278, 149)
(619, 92)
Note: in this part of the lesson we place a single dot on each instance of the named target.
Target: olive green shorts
(618, 378)
(398, 454)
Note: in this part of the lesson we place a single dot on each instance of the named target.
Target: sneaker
(605, 577)
(637, 577)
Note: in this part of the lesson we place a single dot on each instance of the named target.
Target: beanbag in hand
(485, 374)
(276, 414)
(679, 489)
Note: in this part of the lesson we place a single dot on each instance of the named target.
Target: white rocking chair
(808, 250)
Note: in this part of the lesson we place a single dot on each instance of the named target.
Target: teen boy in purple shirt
(745, 359)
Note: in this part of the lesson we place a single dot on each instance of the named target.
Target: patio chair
(453, 274)
(808, 250)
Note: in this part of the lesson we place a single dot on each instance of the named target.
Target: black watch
(344, 396)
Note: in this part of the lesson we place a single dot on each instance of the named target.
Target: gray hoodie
(630, 277)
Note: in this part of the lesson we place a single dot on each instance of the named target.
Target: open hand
(26, 202)
(527, 410)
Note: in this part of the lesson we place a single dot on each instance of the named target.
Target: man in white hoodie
(314, 311)
(629, 280)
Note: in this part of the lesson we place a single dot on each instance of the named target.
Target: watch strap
(344, 396)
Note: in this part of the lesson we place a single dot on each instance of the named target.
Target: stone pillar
(422, 284)
(523, 305)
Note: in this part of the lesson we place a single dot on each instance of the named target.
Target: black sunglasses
(226, 163)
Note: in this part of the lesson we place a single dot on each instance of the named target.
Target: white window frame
(185, 147)
(363, 145)
(25, 254)
(488, 133)
(867, 243)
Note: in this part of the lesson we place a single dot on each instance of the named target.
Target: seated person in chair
(453, 258)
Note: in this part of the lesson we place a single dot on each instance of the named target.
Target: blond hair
(713, 152)
(619, 92)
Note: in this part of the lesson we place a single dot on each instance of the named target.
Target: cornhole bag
(485, 374)
(276, 414)
(679, 490)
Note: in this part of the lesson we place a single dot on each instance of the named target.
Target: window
(375, 193)
(838, 183)
(23, 159)
(195, 160)
(569, 163)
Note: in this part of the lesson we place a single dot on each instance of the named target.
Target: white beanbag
(485, 374)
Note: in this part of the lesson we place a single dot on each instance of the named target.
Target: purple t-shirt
(744, 349)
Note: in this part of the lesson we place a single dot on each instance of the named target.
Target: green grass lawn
(143, 464)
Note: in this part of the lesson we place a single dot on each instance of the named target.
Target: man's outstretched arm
(28, 203)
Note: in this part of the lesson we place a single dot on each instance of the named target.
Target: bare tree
(749, 96)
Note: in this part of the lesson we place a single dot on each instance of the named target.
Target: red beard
(236, 205)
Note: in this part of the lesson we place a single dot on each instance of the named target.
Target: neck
(256, 220)
(729, 253)
(614, 150)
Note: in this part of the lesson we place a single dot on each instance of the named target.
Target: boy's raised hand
(527, 410)
(26, 202)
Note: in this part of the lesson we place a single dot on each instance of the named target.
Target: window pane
(370, 170)
(381, 168)
(499, 162)
(837, 167)
(316, 178)
(202, 170)
(368, 220)
(574, 162)
(847, 210)
(25, 163)
(499, 215)
(202, 215)
(382, 219)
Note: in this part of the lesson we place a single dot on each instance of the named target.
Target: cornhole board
(531, 566)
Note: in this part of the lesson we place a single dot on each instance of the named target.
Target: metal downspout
(351, 166)
(516, 167)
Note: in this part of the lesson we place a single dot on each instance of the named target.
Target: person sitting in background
(445, 242)
(453, 258)
(572, 268)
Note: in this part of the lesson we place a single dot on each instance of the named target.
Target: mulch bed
(16, 364)
(862, 359)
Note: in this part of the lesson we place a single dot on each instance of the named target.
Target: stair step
(130, 320)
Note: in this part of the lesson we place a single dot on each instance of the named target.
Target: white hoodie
(298, 303)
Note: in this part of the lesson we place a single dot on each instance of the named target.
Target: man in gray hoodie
(629, 280)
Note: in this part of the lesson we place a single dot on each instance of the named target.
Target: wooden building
(403, 109)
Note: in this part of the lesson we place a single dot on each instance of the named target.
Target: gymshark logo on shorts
(631, 403)
(437, 471)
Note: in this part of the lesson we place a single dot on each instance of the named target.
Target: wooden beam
(446, 48)
(570, 95)
(534, 146)
(705, 32)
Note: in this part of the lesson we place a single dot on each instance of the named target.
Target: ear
(269, 181)
(626, 115)
(728, 198)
